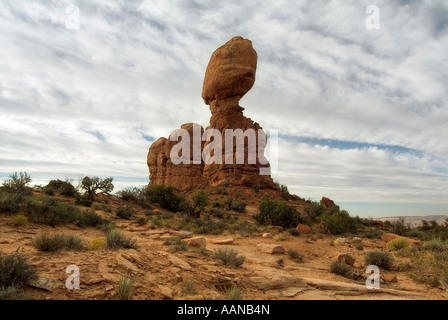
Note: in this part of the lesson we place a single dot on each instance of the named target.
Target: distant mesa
(229, 76)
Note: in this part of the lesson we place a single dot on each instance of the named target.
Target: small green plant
(234, 294)
(176, 244)
(238, 206)
(189, 286)
(165, 197)
(277, 214)
(141, 221)
(20, 220)
(225, 183)
(125, 212)
(83, 200)
(435, 245)
(89, 218)
(200, 201)
(397, 244)
(125, 290)
(230, 257)
(359, 247)
(10, 202)
(47, 243)
(380, 259)
(256, 188)
(217, 212)
(341, 269)
(46, 210)
(116, 240)
(12, 293)
(15, 271)
(293, 254)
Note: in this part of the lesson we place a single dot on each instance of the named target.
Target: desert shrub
(293, 254)
(12, 293)
(141, 221)
(277, 214)
(256, 188)
(314, 211)
(234, 294)
(225, 183)
(380, 259)
(10, 202)
(339, 222)
(18, 183)
(435, 245)
(116, 240)
(49, 191)
(125, 290)
(47, 243)
(92, 185)
(97, 243)
(89, 218)
(64, 188)
(200, 201)
(15, 270)
(20, 220)
(165, 197)
(125, 212)
(83, 200)
(135, 194)
(372, 234)
(397, 244)
(341, 269)
(238, 206)
(359, 247)
(217, 212)
(176, 244)
(189, 286)
(230, 257)
(399, 227)
(294, 232)
(45, 210)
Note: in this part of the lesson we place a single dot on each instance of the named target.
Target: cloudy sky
(362, 113)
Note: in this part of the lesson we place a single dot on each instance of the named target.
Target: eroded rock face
(229, 76)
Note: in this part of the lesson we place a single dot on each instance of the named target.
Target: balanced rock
(229, 76)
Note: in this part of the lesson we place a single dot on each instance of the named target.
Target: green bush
(200, 201)
(49, 191)
(20, 220)
(238, 206)
(125, 212)
(89, 218)
(293, 254)
(256, 188)
(137, 195)
(83, 200)
(380, 259)
(314, 211)
(165, 197)
(234, 294)
(64, 188)
(397, 244)
(12, 293)
(15, 271)
(230, 257)
(45, 210)
(116, 240)
(141, 221)
(341, 269)
(436, 245)
(277, 214)
(47, 243)
(18, 183)
(339, 222)
(217, 212)
(10, 202)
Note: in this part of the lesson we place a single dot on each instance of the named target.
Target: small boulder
(196, 242)
(303, 229)
(223, 241)
(346, 258)
(391, 278)
(271, 248)
(340, 241)
(182, 234)
(267, 235)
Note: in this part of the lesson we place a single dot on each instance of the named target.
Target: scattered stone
(166, 292)
(196, 242)
(340, 241)
(126, 264)
(277, 280)
(267, 235)
(303, 229)
(346, 258)
(223, 241)
(178, 262)
(391, 278)
(271, 248)
(44, 283)
(182, 234)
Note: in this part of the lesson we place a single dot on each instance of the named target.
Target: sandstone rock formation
(229, 76)
(328, 203)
